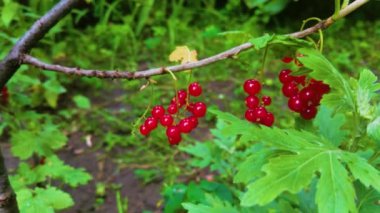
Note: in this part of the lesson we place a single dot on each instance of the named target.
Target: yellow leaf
(183, 54)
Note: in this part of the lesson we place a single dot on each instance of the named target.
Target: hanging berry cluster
(185, 125)
(304, 94)
(256, 112)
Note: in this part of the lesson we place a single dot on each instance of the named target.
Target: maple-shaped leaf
(183, 54)
(366, 89)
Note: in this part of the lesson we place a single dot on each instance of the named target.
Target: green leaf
(373, 129)
(52, 91)
(44, 142)
(367, 88)
(250, 168)
(335, 191)
(363, 171)
(330, 125)
(324, 70)
(56, 168)
(284, 173)
(201, 151)
(54, 197)
(82, 102)
(290, 41)
(261, 42)
(9, 12)
(212, 205)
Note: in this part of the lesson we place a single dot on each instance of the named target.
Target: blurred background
(97, 120)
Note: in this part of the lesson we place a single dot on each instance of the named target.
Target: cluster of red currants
(304, 94)
(185, 125)
(256, 112)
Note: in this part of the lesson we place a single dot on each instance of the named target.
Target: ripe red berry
(185, 125)
(150, 123)
(285, 76)
(174, 140)
(173, 132)
(172, 109)
(307, 94)
(249, 115)
(194, 121)
(166, 120)
(268, 120)
(158, 111)
(252, 86)
(144, 130)
(259, 114)
(200, 109)
(190, 107)
(182, 95)
(295, 104)
(289, 89)
(266, 100)
(287, 59)
(252, 101)
(195, 89)
(309, 113)
(300, 79)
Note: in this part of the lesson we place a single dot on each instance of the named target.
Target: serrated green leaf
(54, 197)
(330, 126)
(250, 168)
(324, 70)
(56, 168)
(363, 171)
(284, 173)
(261, 42)
(44, 142)
(201, 151)
(335, 191)
(82, 102)
(367, 88)
(373, 129)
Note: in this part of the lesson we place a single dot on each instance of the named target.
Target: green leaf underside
(366, 89)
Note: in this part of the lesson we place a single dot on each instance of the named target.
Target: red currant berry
(249, 115)
(173, 132)
(166, 120)
(150, 123)
(174, 140)
(200, 109)
(266, 100)
(252, 86)
(295, 104)
(309, 113)
(290, 89)
(190, 107)
(268, 120)
(194, 121)
(182, 95)
(144, 130)
(195, 89)
(307, 95)
(259, 114)
(158, 111)
(300, 79)
(287, 59)
(172, 109)
(185, 125)
(285, 76)
(252, 101)
(178, 103)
